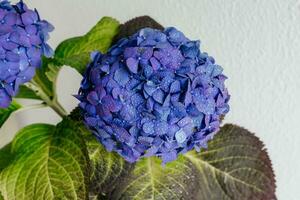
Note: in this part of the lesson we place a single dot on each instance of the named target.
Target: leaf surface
(48, 163)
(75, 52)
(106, 167)
(235, 166)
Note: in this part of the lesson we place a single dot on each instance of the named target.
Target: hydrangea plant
(148, 124)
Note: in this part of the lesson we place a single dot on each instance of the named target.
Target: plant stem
(54, 104)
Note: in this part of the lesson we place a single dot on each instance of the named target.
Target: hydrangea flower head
(23, 37)
(154, 93)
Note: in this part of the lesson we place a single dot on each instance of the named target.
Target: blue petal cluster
(23, 37)
(154, 93)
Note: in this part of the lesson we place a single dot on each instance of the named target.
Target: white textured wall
(256, 41)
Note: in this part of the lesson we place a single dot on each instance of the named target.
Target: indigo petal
(132, 65)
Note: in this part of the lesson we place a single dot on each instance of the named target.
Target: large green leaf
(6, 112)
(75, 51)
(49, 163)
(150, 180)
(106, 168)
(236, 166)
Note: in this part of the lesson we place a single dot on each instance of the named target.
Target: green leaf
(5, 156)
(6, 112)
(235, 166)
(26, 93)
(49, 163)
(106, 167)
(79, 62)
(150, 180)
(75, 51)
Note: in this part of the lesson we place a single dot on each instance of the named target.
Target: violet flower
(23, 37)
(153, 94)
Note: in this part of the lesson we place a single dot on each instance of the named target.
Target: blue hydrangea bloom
(23, 37)
(154, 93)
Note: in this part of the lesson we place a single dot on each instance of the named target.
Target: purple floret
(23, 37)
(153, 94)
